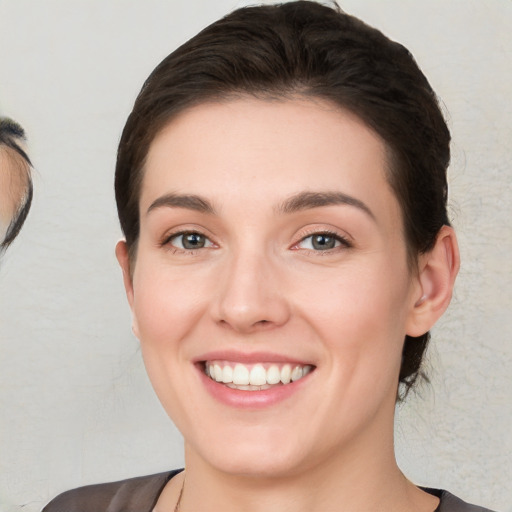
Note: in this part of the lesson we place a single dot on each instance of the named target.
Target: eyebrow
(188, 201)
(307, 200)
(295, 203)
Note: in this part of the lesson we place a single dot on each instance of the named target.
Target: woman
(281, 184)
(15, 181)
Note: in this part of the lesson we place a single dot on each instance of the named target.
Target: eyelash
(166, 242)
(343, 242)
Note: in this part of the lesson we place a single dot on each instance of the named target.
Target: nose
(251, 296)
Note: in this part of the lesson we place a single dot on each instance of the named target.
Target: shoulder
(132, 495)
(450, 503)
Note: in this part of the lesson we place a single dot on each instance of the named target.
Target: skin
(13, 186)
(259, 285)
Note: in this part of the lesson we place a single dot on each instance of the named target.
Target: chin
(257, 465)
(257, 454)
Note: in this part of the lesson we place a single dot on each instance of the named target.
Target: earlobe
(124, 262)
(437, 272)
(123, 258)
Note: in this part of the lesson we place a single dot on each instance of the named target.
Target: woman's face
(271, 248)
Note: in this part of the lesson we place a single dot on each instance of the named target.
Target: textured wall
(76, 406)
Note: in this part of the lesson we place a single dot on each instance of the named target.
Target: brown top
(141, 494)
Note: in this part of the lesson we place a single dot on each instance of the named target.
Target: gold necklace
(178, 503)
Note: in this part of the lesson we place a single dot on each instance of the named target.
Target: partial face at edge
(270, 235)
(13, 186)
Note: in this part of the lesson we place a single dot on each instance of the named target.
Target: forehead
(249, 151)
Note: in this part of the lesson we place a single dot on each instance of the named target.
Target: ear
(123, 258)
(436, 277)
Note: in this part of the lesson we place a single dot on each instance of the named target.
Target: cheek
(361, 314)
(4, 225)
(361, 323)
(166, 303)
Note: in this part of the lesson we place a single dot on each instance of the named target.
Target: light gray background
(76, 406)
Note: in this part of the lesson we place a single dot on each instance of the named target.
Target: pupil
(193, 241)
(323, 242)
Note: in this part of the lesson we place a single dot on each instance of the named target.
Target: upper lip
(249, 357)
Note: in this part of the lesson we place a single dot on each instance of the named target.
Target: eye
(189, 241)
(322, 242)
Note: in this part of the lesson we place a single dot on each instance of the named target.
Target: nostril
(262, 323)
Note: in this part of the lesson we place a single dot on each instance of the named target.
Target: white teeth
(273, 375)
(240, 375)
(296, 373)
(243, 388)
(286, 374)
(248, 387)
(256, 377)
(227, 374)
(218, 373)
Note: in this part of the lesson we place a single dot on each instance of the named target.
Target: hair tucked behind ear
(304, 48)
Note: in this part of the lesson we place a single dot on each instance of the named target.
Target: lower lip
(250, 399)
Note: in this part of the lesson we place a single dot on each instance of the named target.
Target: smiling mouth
(255, 377)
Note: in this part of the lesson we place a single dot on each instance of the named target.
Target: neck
(318, 489)
(360, 475)
(364, 476)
